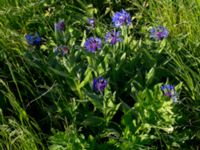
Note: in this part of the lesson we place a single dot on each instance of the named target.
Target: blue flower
(59, 26)
(113, 37)
(169, 91)
(159, 33)
(63, 50)
(121, 18)
(34, 40)
(91, 22)
(92, 44)
(99, 84)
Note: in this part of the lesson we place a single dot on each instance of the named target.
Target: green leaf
(93, 121)
(150, 76)
(96, 100)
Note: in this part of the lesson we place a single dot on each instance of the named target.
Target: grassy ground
(47, 100)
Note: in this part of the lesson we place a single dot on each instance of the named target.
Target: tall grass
(47, 101)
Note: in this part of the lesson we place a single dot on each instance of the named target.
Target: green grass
(47, 101)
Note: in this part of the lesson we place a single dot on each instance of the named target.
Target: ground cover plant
(95, 75)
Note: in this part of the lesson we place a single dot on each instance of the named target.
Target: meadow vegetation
(95, 75)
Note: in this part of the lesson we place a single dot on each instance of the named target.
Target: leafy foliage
(47, 97)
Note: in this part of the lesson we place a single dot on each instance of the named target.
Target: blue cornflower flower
(121, 18)
(169, 91)
(61, 50)
(113, 37)
(159, 33)
(91, 22)
(92, 44)
(34, 40)
(99, 84)
(60, 26)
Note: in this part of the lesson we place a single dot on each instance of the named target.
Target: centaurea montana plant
(62, 49)
(169, 91)
(121, 18)
(159, 33)
(59, 26)
(99, 84)
(113, 37)
(91, 22)
(92, 44)
(33, 39)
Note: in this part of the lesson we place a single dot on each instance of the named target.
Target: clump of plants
(75, 76)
